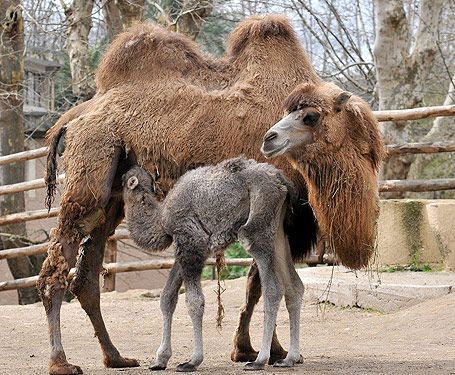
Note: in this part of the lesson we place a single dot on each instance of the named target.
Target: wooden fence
(111, 267)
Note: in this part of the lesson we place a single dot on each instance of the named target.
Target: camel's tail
(51, 167)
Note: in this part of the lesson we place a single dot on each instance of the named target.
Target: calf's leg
(272, 297)
(293, 297)
(168, 302)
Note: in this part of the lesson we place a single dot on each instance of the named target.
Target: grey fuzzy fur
(208, 209)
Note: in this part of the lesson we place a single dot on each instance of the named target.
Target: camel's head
(322, 119)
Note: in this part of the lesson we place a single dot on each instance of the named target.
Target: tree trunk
(112, 19)
(120, 14)
(192, 16)
(131, 11)
(12, 136)
(402, 71)
(78, 25)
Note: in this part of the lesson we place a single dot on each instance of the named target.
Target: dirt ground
(418, 340)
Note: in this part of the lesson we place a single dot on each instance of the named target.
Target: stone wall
(417, 232)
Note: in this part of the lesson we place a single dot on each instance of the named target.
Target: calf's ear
(341, 100)
(132, 182)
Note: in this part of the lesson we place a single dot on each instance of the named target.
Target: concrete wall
(417, 232)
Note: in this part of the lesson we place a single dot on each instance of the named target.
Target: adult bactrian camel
(163, 104)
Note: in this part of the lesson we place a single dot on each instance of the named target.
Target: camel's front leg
(243, 351)
(194, 298)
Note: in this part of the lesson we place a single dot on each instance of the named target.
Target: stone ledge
(350, 290)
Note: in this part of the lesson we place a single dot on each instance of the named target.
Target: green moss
(412, 216)
(442, 246)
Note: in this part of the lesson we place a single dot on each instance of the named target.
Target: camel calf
(208, 209)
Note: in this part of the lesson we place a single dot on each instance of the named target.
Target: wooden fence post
(110, 256)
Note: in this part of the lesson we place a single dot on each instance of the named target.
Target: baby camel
(208, 209)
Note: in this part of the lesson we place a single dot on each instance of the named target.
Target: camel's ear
(132, 183)
(341, 100)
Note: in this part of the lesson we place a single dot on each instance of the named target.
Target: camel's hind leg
(52, 285)
(243, 351)
(80, 214)
(88, 289)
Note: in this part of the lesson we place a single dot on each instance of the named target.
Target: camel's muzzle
(286, 134)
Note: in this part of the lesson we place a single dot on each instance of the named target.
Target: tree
(78, 25)
(12, 137)
(120, 14)
(192, 14)
(403, 63)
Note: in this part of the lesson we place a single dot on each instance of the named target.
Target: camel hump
(145, 50)
(260, 28)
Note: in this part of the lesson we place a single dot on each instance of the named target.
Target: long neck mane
(344, 197)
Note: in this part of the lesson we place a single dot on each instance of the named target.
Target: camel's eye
(311, 118)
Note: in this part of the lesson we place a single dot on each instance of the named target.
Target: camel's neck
(144, 215)
(343, 194)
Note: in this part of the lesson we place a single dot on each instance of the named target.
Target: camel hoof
(253, 366)
(238, 356)
(157, 367)
(119, 362)
(277, 356)
(288, 362)
(185, 367)
(64, 369)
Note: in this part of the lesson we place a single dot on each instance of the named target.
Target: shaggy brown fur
(340, 165)
(162, 104)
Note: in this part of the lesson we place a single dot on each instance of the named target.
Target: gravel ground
(417, 340)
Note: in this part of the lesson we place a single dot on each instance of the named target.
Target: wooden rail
(390, 115)
(112, 268)
(20, 217)
(395, 149)
(420, 148)
(415, 113)
(24, 155)
(417, 185)
(384, 186)
(27, 185)
(120, 234)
